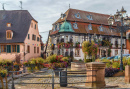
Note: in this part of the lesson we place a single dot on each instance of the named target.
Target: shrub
(3, 72)
(51, 59)
(109, 72)
(66, 59)
(98, 60)
(80, 60)
(116, 65)
(39, 60)
(87, 60)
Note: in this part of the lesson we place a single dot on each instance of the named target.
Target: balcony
(105, 43)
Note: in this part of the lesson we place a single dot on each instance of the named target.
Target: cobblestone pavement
(112, 81)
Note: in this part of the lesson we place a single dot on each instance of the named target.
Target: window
(34, 49)
(58, 26)
(90, 27)
(35, 26)
(28, 49)
(62, 15)
(77, 15)
(55, 27)
(66, 38)
(37, 38)
(63, 52)
(8, 48)
(116, 52)
(8, 24)
(8, 34)
(28, 36)
(33, 37)
(76, 38)
(18, 48)
(13, 48)
(89, 17)
(3, 48)
(75, 26)
(37, 49)
(31, 25)
(77, 52)
(101, 28)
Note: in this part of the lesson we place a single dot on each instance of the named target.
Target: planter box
(119, 74)
(77, 66)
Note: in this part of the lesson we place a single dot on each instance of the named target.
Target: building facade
(76, 26)
(19, 35)
(128, 40)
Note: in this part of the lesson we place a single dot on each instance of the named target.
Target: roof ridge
(89, 11)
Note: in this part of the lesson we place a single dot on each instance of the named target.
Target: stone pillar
(127, 74)
(98, 80)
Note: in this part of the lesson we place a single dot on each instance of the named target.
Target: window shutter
(28, 36)
(18, 48)
(8, 48)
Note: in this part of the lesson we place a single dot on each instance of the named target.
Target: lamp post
(123, 22)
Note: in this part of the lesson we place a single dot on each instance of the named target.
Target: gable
(20, 22)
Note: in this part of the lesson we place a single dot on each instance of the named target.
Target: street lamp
(122, 25)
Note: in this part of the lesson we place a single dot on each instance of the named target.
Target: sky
(46, 12)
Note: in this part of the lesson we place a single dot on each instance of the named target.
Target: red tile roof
(83, 22)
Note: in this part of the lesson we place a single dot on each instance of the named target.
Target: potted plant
(32, 63)
(3, 72)
(26, 63)
(77, 44)
(16, 66)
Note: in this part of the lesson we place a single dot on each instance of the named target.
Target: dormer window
(8, 24)
(90, 27)
(101, 28)
(9, 34)
(75, 26)
(77, 15)
(58, 26)
(89, 17)
(62, 15)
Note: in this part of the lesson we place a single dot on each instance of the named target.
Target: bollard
(13, 81)
(127, 74)
(52, 79)
(63, 78)
(96, 74)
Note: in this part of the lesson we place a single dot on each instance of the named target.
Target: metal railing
(53, 77)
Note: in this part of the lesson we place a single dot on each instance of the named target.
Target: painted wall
(31, 42)
(12, 56)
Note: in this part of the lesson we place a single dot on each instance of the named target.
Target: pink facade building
(18, 35)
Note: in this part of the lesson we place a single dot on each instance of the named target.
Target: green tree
(89, 49)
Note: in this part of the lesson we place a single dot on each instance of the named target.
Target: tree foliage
(89, 49)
